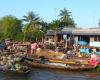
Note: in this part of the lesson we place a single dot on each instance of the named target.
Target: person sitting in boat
(68, 54)
(94, 50)
(38, 50)
(56, 51)
(12, 66)
(94, 56)
(79, 54)
(93, 60)
(17, 66)
(42, 59)
(2, 63)
(5, 67)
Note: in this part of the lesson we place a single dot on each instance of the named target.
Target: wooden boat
(62, 64)
(14, 71)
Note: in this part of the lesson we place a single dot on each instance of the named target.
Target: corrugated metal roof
(76, 31)
(86, 32)
(58, 32)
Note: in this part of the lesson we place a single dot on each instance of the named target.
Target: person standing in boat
(34, 46)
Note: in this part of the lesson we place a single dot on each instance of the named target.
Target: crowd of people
(30, 50)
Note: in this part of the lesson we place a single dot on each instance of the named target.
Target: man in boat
(42, 59)
(68, 54)
(38, 51)
(56, 51)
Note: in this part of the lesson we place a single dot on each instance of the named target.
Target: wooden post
(55, 38)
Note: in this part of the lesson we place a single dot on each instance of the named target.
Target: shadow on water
(48, 74)
(12, 76)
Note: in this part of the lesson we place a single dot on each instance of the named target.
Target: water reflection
(12, 76)
(46, 74)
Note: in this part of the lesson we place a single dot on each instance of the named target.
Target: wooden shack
(66, 37)
(61, 39)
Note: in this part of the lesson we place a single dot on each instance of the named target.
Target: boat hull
(66, 67)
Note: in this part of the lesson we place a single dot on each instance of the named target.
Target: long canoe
(58, 65)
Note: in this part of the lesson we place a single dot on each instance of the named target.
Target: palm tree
(32, 23)
(32, 19)
(43, 30)
(65, 14)
(44, 26)
(65, 18)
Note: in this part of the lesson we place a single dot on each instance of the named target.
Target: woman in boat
(34, 46)
(93, 60)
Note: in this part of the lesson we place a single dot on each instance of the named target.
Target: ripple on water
(46, 74)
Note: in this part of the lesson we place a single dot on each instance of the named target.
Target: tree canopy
(10, 26)
(66, 18)
(34, 27)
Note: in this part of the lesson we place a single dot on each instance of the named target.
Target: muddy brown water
(48, 74)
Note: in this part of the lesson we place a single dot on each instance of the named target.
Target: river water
(46, 74)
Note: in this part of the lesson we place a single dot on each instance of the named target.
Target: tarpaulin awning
(95, 44)
(82, 43)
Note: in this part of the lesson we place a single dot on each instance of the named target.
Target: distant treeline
(32, 27)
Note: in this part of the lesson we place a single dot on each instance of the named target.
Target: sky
(86, 13)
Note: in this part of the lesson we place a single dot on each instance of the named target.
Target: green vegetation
(32, 27)
(65, 18)
(10, 27)
(97, 69)
(64, 21)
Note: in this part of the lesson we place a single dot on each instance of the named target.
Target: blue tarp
(2, 46)
(82, 43)
(87, 51)
(82, 50)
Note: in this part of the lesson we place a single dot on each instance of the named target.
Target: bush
(98, 68)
